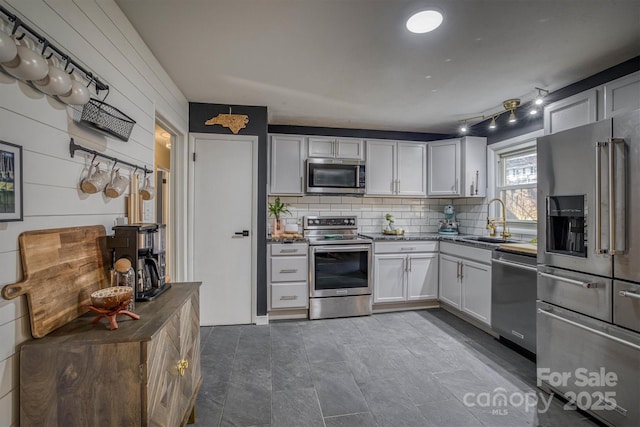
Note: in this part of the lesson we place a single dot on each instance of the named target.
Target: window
(516, 182)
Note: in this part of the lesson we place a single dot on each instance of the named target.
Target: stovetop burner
(333, 230)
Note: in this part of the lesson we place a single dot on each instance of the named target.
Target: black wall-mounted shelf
(73, 147)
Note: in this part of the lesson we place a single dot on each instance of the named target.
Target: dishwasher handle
(514, 264)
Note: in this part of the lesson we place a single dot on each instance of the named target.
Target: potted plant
(277, 209)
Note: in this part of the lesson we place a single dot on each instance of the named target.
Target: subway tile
(370, 214)
(340, 207)
(352, 200)
(372, 200)
(310, 199)
(361, 207)
(330, 199)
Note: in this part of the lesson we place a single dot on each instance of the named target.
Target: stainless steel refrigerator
(588, 309)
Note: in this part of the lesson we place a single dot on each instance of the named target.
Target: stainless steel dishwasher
(513, 297)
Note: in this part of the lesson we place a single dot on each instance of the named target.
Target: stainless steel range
(339, 267)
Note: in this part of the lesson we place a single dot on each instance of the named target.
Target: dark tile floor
(413, 368)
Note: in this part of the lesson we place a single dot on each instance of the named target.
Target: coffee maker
(144, 246)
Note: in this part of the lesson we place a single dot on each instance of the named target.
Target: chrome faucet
(490, 221)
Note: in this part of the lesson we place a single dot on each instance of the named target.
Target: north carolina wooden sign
(234, 122)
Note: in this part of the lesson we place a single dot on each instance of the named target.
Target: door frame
(177, 194)
(253, 139)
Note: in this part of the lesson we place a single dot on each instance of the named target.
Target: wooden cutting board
(529, 248)
(61, 267)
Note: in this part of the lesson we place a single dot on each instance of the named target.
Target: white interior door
(225, 181)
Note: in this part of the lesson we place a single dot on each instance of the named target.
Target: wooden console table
(145, 373)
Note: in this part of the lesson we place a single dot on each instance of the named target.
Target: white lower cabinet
(465, 280)
(476, 290)
(450, 283)
(405, 271)
(287, 272)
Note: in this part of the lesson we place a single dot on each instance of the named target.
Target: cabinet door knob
(182, 366)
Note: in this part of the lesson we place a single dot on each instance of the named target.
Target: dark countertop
(288, 240)
(459, 239)
(380, 237)
(406, 236)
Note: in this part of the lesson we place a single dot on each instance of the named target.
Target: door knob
(240, 234)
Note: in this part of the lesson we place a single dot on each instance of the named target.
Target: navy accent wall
(526, 123)
(356, 133)
(200, 113)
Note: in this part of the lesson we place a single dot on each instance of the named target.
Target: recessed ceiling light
(424, 21)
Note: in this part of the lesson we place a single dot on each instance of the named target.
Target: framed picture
(10, 182)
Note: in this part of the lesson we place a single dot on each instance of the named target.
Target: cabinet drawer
(464, 251)
(289, 295)
(289, 269)
(405, 246)
(283, 249)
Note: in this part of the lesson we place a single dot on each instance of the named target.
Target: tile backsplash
(412, 214)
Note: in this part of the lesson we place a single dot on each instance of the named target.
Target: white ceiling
(352, 64)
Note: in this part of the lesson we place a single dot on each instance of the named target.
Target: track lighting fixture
(509, 106)
(492, 125)
(539, 100)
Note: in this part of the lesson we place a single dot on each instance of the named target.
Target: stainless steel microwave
(335, 176)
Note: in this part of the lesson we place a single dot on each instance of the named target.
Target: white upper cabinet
(457, 167)
(411, 170)
(339, 148)
(396, 168)
(622, 95)
(381, 168)
(601, 102)
(576, 110)
(286, 166)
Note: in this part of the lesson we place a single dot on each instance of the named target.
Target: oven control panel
(316, 222)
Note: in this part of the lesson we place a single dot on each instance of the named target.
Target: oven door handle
(341, 248)
(587, 285)
(629, 294)
(588, 329)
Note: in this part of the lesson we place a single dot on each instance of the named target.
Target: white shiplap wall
(96, 33)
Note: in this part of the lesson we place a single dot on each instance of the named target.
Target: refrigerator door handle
(598, 216)
(588, 329)
(612, 198)
(616, 245)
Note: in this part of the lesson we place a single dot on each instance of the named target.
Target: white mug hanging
(148, 191)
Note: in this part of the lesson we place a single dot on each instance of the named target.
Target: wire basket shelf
(107, 118)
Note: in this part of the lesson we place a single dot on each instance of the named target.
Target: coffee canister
(125, 276)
